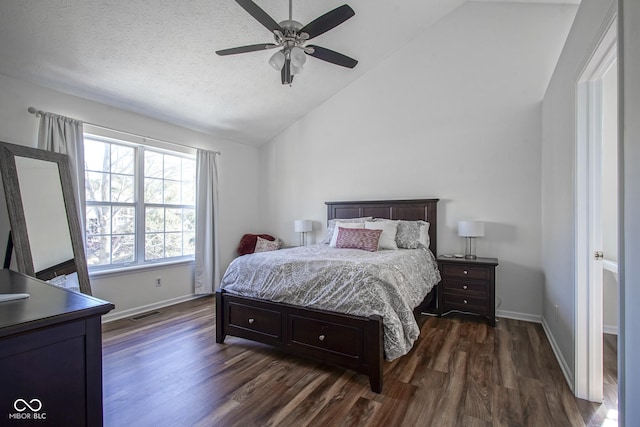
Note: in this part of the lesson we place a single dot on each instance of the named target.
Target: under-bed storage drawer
(258, 320)
(312, 334)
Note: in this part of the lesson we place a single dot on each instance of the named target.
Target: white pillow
(388, 236)
(332, 243)
(424, 235)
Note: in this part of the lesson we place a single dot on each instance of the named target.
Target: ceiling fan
(291, 36)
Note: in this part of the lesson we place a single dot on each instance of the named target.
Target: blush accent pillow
(264, 245)
(343, 225)
(358, 238)
(388, 236)
(331, 226)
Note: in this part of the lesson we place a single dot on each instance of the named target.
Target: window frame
(139, 205)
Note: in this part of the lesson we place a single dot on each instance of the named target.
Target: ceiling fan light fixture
(277, 60)
(296, 70)
(298, 57)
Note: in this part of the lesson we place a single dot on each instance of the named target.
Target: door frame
(588, 378)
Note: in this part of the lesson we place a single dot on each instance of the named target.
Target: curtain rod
(37, 113)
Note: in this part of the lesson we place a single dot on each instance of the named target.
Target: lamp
(470, 230)
(303, 226)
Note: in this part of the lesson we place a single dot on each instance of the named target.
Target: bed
(351, 341)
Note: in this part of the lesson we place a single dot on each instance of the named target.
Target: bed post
(375, 351)
(220, 334)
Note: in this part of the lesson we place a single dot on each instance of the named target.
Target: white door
(588, 215)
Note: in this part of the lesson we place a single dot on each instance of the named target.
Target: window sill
(138, 268)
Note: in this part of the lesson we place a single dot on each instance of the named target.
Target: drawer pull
(465, 301)
(251, 321)
(464, 287)
(321, 337)
(465, 272)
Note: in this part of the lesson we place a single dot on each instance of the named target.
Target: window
(140, 203)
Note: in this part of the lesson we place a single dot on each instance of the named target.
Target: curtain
(207, 272)
(65, 135)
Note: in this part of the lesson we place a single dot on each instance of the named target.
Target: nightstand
(468, 286)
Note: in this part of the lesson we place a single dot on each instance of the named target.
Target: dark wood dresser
(468, 286)
(50, 354)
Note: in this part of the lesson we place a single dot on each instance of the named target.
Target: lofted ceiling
(157, 57)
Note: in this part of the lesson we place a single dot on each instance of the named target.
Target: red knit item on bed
(248, 243)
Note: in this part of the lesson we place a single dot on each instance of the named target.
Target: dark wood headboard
(410, 210)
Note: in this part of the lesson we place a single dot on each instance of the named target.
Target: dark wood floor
(167, 370)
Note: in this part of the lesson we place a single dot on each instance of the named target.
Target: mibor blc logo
(28, 410)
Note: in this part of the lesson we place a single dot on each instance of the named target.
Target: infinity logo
(21, 405)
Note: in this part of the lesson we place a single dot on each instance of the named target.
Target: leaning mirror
(45, 229)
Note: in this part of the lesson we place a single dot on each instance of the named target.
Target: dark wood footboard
(350, 342)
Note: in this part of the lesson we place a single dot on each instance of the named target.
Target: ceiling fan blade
(260, 15)
(287, 77)
(328, 21)
(245, 49)
(332, 56)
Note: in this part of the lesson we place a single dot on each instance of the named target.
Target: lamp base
(470, 249)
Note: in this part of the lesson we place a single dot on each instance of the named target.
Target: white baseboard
(564, 367)
(519, 316)
(609, 329)
(149, 307)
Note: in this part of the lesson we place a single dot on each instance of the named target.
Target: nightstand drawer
(465, 286)
(465, 272)
(477, 305)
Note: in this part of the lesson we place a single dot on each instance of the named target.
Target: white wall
(629, 63)
(454, 114)
(238, 185)
(558, 174)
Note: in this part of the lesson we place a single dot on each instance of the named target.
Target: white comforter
(389, 283)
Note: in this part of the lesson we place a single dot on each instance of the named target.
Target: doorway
(593, 215)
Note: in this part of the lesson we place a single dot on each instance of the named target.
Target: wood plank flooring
(167, 370)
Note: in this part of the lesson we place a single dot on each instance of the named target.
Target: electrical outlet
(159, 282)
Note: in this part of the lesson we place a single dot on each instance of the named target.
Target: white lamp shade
(303, 225)
(471, 228)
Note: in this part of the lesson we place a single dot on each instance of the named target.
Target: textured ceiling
(156, 57)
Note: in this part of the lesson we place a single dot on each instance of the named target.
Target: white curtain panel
(64, 135)
(207, 273)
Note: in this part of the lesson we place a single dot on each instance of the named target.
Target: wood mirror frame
(18, 217)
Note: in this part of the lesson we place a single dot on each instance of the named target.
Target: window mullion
(140, 207)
